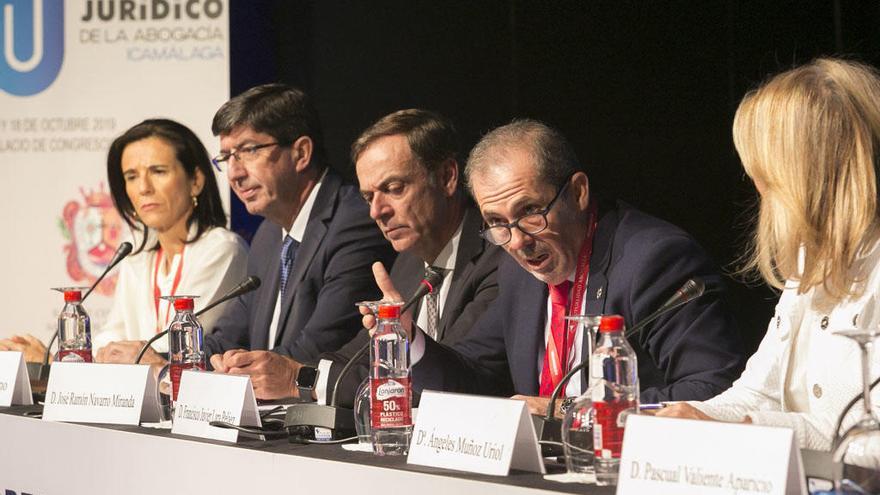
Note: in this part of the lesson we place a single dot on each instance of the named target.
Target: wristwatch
(305, 382)
(566, 404)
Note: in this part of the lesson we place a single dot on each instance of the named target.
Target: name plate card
(15, 386)
(484, 435)
(681, 456)
(206, 397)
(123, 394)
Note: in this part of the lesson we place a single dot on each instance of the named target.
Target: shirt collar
(446, 258)
(298, 230)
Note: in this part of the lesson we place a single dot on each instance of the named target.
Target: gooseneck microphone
(249, 284)
(689, 291)
(339, 419)
(122, 251)
(431, 282)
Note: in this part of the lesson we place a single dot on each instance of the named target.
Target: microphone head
(251, 283)
(247, 285)
(122, 251)
(433, 278)
(691, 290)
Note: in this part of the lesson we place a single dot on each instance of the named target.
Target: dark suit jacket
(473, 288)
(638, 262)
(331, 272)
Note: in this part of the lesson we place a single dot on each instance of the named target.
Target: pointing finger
(383, 280)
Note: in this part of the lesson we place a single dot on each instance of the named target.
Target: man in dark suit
(313, 252)
(590, 257)
(409, 176)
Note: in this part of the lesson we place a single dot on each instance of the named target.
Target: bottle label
(176, 371)
(608, 427)
(390, 405)
(75, 356)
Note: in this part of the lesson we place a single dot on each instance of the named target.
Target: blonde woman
(809, 138)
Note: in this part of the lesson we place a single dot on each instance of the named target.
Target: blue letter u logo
(32, 40)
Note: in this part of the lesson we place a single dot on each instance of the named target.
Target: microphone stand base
(551, 431)
(302, 420)
(38, 373)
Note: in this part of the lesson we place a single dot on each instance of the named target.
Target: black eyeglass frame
(224, 157)
(486, 231)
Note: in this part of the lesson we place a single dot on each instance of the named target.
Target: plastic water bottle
(615, 386)
(74, 329)
(185, 345)
(390, 388)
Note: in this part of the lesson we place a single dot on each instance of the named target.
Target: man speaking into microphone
(571, 252)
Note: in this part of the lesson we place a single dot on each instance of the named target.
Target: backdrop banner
(73, 76)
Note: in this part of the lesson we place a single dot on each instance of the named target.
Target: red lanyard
(581, 277)
(156, 294)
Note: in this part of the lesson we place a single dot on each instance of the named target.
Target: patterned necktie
(432, 304)
(288, 254)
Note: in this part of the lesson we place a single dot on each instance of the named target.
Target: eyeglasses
(532, 223)
(244, 154)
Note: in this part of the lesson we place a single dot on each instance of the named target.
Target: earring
(195, 201)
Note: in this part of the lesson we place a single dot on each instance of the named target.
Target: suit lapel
(406, 274)
(266, 303)
(470, 247)
(530, 320)
(600, 261)
(316, 229)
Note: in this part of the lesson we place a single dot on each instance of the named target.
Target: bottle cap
(72, 296)
(183, 304)
(389, 311)
(611, 323)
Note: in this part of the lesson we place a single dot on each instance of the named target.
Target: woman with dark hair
(175, 144)
(164, 188)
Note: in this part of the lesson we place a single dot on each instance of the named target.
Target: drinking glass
(857, 454)
(577, 425)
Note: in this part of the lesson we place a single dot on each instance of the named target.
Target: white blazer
(831, 364)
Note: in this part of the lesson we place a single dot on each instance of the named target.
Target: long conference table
(39, 457)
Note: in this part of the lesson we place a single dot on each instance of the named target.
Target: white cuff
(725, 412)
(323, 376)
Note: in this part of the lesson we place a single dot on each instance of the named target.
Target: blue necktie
(288, 254)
